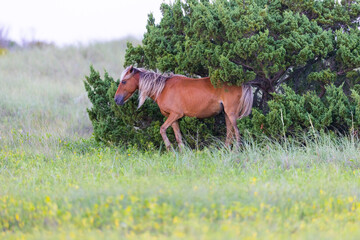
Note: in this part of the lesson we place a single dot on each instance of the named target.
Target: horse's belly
(203, 110)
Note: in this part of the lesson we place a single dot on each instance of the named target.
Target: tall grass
(42, 88)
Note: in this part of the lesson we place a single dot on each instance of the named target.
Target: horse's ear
(131, 69)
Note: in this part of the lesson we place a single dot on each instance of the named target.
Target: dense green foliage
(311, 46)
(292, 113)
(258, 41)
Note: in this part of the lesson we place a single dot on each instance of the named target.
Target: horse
(178, 96)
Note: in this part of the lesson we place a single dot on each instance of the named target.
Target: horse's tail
(246, 101)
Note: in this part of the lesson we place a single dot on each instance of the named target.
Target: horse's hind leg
(232, 119)
(169, 121)
(177, 132)
(229, 131)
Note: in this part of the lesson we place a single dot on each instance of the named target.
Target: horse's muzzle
(119, 100)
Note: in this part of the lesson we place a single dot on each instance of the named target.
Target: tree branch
(277, 76)
(238, 62)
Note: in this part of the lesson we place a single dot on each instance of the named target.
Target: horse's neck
(153, 97)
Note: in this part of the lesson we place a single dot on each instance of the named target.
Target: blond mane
(151, 83)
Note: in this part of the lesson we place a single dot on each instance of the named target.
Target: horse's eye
(123, 82)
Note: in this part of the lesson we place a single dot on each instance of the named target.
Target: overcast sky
(76, 21)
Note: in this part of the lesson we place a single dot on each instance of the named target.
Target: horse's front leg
(177, 132)
(173, 117)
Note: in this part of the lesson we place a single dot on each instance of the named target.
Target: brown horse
(179, 96)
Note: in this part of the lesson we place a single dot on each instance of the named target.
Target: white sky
(76, 21)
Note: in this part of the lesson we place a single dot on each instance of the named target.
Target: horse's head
(129, 82)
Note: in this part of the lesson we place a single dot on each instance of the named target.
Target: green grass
(42, 88)
(57, 183)
(82, 190)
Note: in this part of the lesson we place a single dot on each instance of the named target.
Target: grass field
(57, 183)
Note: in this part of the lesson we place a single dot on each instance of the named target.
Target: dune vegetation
(58, 183)
(42, 89)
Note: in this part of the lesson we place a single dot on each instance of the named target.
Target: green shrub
(306, 44)
(292, 113)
